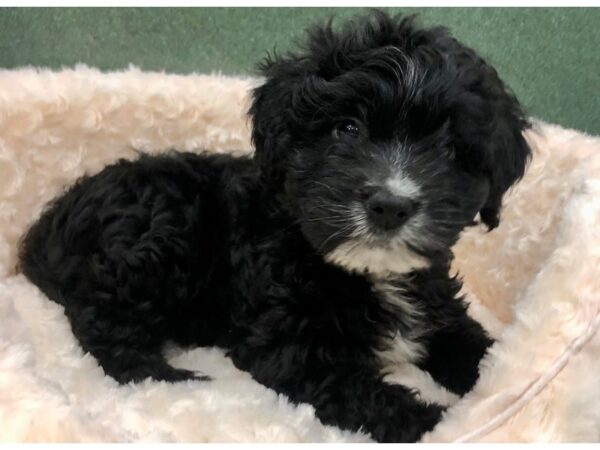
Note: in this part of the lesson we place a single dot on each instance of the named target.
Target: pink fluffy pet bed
(534, 282)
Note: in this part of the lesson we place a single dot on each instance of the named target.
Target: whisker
(334, 234)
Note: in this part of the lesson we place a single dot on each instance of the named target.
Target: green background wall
(550, 57)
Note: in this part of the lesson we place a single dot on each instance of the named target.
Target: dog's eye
(347, 128)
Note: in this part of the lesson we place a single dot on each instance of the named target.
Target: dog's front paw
(413, 424)
(433, 415)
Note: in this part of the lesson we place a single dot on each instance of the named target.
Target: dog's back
(133, 250)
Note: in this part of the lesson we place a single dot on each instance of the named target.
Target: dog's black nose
(388, 211)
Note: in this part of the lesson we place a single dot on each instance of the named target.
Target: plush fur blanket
(534, 282)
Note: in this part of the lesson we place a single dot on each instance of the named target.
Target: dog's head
(386, 140)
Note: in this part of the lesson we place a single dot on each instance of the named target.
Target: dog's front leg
(344, 394)
(454, 352)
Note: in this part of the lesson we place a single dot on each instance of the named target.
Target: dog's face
(386, 141)
(373, 193)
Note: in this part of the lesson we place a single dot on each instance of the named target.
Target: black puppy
(322, 259)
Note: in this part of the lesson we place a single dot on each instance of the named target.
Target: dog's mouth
(381, 230)
(368, 241)
(377, 259)
(374, 238)
(381, 221)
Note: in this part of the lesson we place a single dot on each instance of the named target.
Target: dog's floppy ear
(487, 124)
(295, 85)
(271, 109)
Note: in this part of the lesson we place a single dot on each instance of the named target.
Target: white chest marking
(403, 347)
(379, 261)
(402, 351)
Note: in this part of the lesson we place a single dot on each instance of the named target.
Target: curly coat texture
(209, 250)
(113, 132)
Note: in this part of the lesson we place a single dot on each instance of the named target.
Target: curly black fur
(247, 254)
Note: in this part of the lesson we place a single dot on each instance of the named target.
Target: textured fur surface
(54, 392)
(383, 135)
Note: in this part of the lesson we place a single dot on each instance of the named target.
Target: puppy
(322, 259)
